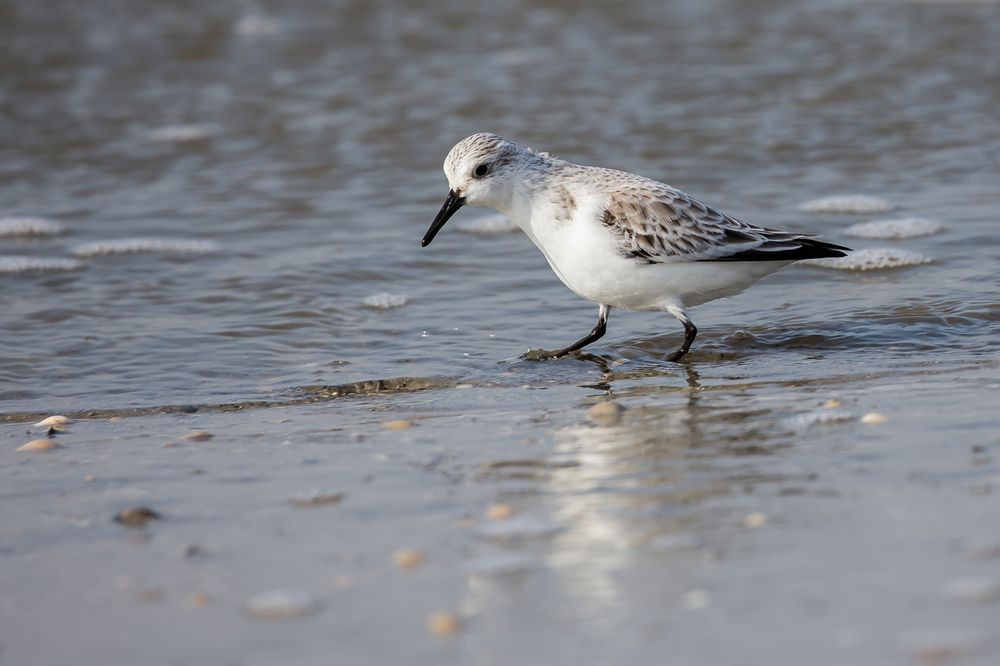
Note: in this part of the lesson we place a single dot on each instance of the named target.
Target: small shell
(408, 558)
(606, 413)
(136, 516)
(755, 519)
(199, 436)
(56, 422)
(873, 418)
(398, 424)
(443, 624)
(500, 512)
(37, 445)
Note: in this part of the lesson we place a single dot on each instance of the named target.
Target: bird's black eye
(481, 170)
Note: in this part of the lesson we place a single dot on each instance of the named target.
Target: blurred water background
(220, 204)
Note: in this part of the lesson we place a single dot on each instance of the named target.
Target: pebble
(37, 445)
(832, 403)
(318, 498)
(697, 599)
(755, 519)
(873, 418)
(136, 516)
(56, 422)
(607, 413)
(408, 558)
(973, 590)
(442, 623)
(281, 604)
(500, 512)
(199, 599)
(930, 647)
(397, 424)
(198, 436)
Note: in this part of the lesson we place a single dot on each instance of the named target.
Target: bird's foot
(676, 356)
(541, 355)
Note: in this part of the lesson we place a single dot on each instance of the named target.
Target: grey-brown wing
(668, 225)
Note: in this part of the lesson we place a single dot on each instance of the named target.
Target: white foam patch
(873, 259)
(490, 225)
(896, 229)
(847, 204)
(179, 133)
(144, 246)
(13, 227)
(385, 301)
(15, 264)
(818, 417)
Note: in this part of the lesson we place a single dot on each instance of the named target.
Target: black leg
(593, 336)
(690, 332)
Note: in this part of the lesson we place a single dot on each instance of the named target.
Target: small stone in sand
(936, 645)
(755, 519)
(136, 516)
(281, 604)
(500, 512)
(199, 599)
(198, 436)
(973, 590)
(318, 498)
(442, 623)
(873, 418)
(408, 558)
(37, 445)
(56, 422)
(607, 413)
(397, 424)
(832, 403)
(697, 599)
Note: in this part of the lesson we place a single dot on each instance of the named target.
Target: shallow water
(245, 189)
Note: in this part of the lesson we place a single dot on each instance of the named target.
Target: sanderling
(615, 238)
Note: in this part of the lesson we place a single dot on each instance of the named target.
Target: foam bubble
(895, 229)
(144, 245)
(15, 264)
(872, 259)
(179, 133)
(818, 417)
(385, 301)
(490, 225)
(847, 204)
(12, 227)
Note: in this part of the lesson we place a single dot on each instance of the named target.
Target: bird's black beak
(451, 204)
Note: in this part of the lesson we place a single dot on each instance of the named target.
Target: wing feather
(661, 224)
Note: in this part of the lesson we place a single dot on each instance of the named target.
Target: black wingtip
(809, 248)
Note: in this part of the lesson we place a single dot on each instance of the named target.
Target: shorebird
(616, 238)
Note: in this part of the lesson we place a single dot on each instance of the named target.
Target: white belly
(587, 261)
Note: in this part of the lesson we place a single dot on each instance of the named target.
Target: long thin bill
(451, 204)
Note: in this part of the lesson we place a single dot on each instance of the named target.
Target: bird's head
(482, 170)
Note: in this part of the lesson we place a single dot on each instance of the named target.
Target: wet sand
(706, 508)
